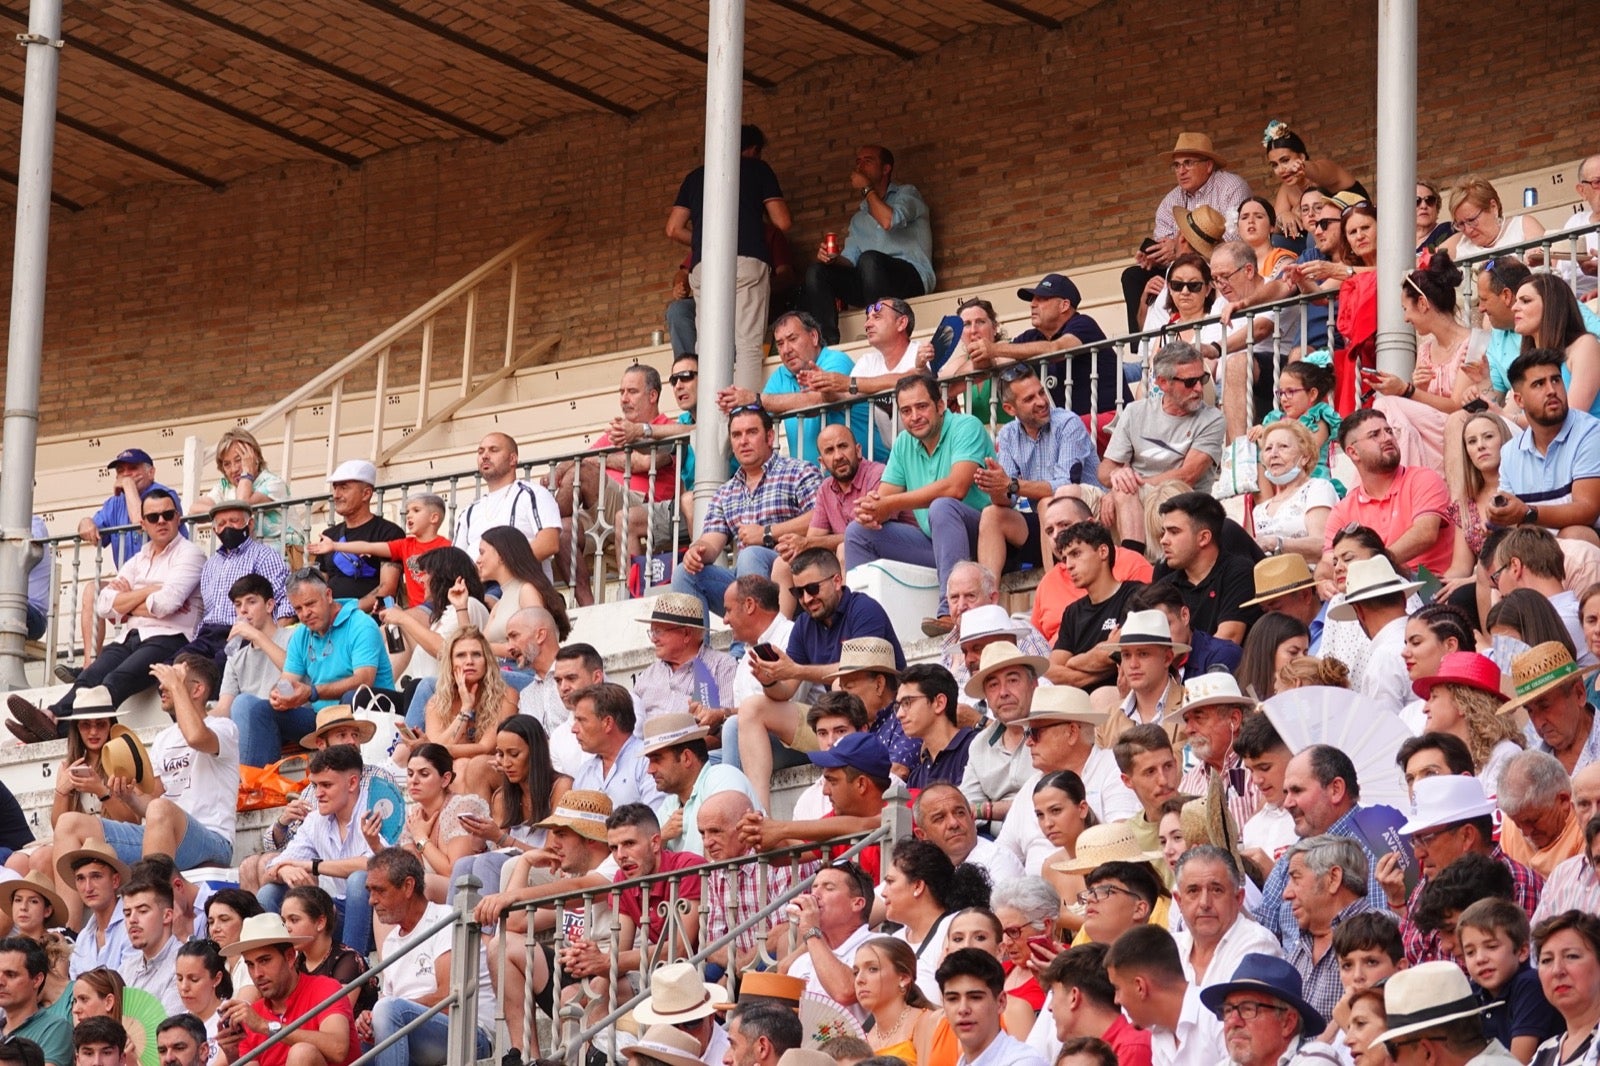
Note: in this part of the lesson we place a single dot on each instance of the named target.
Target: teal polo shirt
(963, 438)
(52, 1031)
(802, 432)
(354, 640)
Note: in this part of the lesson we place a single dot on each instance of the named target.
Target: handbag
(265, 787)
(1237, 475)
(378, 707)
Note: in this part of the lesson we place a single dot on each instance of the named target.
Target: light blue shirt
(353, 640)
(1574, 454)
(628, 781)
(319, 838)
(909, 236)
(714, 778)
(86, 955)
(1062, 446)
(802, 432)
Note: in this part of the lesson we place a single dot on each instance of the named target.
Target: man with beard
(1170, 437)
(1406, 505)
(507, 501)
(1550, 472)
(1213, 712)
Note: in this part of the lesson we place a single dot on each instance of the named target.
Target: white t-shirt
(745, 684)
(421, 663)
(528, 507)
(872, 365)
(414, 975)
(1271, 830)
(803, 968)
(205, 786)
(1583, 284)
(1290, 519)
(1385, 679)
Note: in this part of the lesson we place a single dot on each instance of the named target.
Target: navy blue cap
(1053, 287)
(131, 455)
(861, 752)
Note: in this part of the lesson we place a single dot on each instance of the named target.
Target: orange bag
(261, 788)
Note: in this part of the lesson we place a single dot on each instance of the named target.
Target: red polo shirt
(308, 992)
(1131, 1045)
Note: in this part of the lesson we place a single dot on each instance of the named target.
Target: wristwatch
(1530, 517)
(767, 539)
(1012, 488)
(649, 431)
(855, 387)
(812, 933)
(273, 1027)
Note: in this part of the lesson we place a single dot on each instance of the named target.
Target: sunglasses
(1352, 207)
(1016, 372)
(169, 515)
(1324, 223)
(1186, 286)
(800, 592)
(1428, 201)
(682, 376)
(895, 306)
(1191, 383)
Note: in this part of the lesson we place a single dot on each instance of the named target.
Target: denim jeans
(955, 538)
(263, 731)
(355, 912)
(711, 582)
(425, 1045)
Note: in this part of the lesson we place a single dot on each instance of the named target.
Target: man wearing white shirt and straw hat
(997, 760)
(679, 998)
(1375, 596)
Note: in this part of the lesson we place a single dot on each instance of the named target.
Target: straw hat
(1195, 144)
(676, 609)
(91, 703)
(865, 655)
(678, 995)
(1426, 995)
(1215, 689)
(1104, 843)
(672, 729)
(1368, 579)
(804, 1056)
(667, 1044)
(583, 811)
(1466, 668)
(260, 931)
(1542, 667)
(99, 851)
(1204, 227)
(1147, 628)
(1062, 703)
(333, 717)
(998, 656)
(35, 882)
(1279, 575)
(124, 755)
(1446, 800)
(772, 985)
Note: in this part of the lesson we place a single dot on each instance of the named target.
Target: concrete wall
(1035, 149)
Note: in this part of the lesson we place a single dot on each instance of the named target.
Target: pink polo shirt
(1416, 491)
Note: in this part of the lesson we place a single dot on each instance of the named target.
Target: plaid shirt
(1062, 449)
(225, 567)
(787, 490)
(1273, 911)
(1526, 888)
(728, 904)
(1319, 978)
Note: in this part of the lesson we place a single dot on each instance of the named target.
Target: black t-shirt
(757, 185)
(1085, 624)
(1217, 598)
(14, 831)
(353, 576)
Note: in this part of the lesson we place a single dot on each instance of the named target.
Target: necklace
(898, 1022)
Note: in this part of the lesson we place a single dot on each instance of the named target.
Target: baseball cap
(1052, 287)
(861, 752)
(354, 470)
(131, 455)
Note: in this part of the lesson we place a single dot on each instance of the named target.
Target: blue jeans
(354, 912)
(263, 731)
(680, 326)
(417, 709)
(955, 539)
(783, 756)
(710, 583)
(423, 1046)
(199, 846)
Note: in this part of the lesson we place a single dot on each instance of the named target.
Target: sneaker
(67, 675)
(937, 627)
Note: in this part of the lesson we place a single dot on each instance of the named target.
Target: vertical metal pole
(719, 243)
(25, 351)
(462, 1041)
(1397, 179)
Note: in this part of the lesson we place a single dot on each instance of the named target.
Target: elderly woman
(1294, 506)
(1027, 909)
(1480, 226)
(1566, 951)
(245, 477)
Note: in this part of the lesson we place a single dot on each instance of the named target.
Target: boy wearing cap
(351, 576)
(424, 516)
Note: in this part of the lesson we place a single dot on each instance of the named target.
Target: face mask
(232, 538)
(1283, 478)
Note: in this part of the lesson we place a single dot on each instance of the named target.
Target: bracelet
(316, 867)
(1411, 390)
(505, 835)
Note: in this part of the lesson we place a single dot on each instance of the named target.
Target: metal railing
(1565, 262)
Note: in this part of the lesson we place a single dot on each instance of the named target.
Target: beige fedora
(1001, 655)
(260, 931)
(35, 882)
(1195, 144)
(1204, 227)
(678, 995)
(1279, 575)
(1062, 703)
(676, 609)
(1216, 689)
(1101, 844)
(671, 729)
(865, 655)
(92, 850)
(1368, 579)
(582, 810)
(332, 718)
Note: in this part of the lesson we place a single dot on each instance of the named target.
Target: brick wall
(1035, 149)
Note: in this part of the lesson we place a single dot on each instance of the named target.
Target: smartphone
(765, 652)
(1147, 244)
(1044, 944)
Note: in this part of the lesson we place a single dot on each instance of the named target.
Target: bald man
(532, 636)
(718, 820)
(1586, 793)
(506, 501)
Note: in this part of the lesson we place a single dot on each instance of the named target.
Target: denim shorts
(198, 845)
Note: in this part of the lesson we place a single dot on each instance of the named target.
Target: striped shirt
(1573, 885)
(1242, 805)
(1574, 455)
(225, 567)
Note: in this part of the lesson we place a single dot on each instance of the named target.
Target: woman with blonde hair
(1476, 210)
(904, 1019)
(245, 477)
(1307, 670)
(1463, 699)
(1472, 469)
(466, 711)
(1294, 506)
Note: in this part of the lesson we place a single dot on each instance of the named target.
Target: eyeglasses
(682, 376)
(896, 306)
(1103, 892)
(1463, 223)
(1226, 276)
(169, 515)
(1250, 1011)
(1393, 1046)
(1428, 201)
(1188, 164)
(1282, 393)
(1324, 223)
(1190, 383)
(1427, 839)
(800, 592)
(1588, 183)
(1359, 203)
(1186, 286)
(1033, 732)
(1494, 575)
(1016, 932)
(1016, 372)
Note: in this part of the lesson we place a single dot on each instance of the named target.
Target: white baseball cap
(354, 470)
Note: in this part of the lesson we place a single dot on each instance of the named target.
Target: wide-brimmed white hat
(1107, 842)
(678, 995)
(1215, 689)
(672, 1046)
(1062, 703)
(91, 703)
(262, 930)
(987, 622)
(1148, 628)
(1001, 655)
(1368, 579)
(1426, 995)
(1446, 800)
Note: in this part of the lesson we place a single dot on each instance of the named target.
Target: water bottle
(234, 646)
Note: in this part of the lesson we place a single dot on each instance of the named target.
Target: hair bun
(1441, 266)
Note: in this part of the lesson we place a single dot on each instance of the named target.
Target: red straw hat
(1463, 668)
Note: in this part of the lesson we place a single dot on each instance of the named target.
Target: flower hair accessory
(1275, 129)
(1320, 357)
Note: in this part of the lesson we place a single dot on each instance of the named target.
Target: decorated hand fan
(384, 797)
(1369, 733)
(821, 1019)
